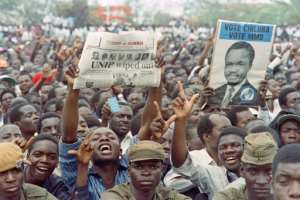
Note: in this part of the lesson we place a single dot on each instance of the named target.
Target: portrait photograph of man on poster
(237, 66)
(238, 62)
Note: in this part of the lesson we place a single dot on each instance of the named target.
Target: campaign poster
(240, 58)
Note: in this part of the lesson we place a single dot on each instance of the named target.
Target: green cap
(259, 149)
(9, 79)
(146, 150)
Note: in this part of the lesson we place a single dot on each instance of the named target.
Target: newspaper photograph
(240, 58)
(126, 59)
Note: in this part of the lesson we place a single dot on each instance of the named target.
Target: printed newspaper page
(240, 58)
(118, 59)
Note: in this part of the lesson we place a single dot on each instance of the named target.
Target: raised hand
(159, 126)
(70, 74)
(181, 105)
(106, 115)
(117, 89)
(23, 143)
(85, 151)
(205, 94)
(210, 39)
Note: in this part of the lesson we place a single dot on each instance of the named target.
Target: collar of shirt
(126, 142)
(236, 88)
(202, 157)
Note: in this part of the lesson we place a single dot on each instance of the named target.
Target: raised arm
(207, 47)
(149, 112)
(182, 108)
(70, 112)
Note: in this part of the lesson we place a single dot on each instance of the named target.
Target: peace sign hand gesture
(159, 126)
(182, 106)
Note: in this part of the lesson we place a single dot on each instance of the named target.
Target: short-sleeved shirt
(123, 192)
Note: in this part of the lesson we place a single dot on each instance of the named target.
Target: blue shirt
(68, 164)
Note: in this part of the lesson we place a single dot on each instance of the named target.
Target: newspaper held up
(240, 58)
(126, 59)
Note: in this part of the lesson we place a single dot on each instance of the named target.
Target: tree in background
(22, 12)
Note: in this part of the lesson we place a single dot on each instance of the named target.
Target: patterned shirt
(68, 165)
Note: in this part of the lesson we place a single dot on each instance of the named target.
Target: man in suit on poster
(238, 90)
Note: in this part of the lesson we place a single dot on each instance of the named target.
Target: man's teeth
(105, 147)
(43, 168)
(230, 158)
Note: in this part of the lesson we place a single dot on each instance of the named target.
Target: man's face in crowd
(296, 107)
(194, 81)
(16, 63)
(9, 133)
(230, 150)
(14, 74)
(195, 115)
(274, 87)
(6, 100)
(106, 146)
(45, 89)
(87, 93)
(11, 183)
(181, 75)
(295, 79)
(120, 122)
(290, 132)
(135, 99)
(52, 126)
(258, 180)
(166, 141)
(60, 92)
(286, 182)
(84, 111)
(292, 98)
(220, 122)
(39, 60)
(243, 118)
(29, 119)
(280, 78)
(170, 81)
(35, 100)
(145, 175)
(166, 108)
(25, 83)
(82, 129)
(237, 65)
(6, 84)
(44, 159)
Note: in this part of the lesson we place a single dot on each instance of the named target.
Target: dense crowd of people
(169, 142)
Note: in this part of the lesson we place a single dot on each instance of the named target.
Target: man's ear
(206, 137)
(18, 123)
